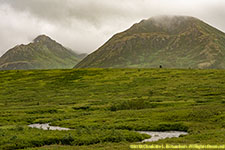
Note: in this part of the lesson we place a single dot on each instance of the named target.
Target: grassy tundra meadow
(105, 106)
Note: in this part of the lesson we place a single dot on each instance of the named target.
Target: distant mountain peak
(171, 17)
(168, 41)
(165, 24)
(172, 20)
(42, 53)
(42, 38)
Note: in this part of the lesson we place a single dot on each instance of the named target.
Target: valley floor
(105, 106)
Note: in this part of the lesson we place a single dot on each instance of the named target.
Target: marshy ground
(105, 106)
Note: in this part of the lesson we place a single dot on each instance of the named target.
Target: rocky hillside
(167, 41)
(42, 53)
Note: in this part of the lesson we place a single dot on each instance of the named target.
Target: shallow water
(156, 136)
(47, 127)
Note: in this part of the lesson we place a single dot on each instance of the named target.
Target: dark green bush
(81, 108)
(132, 105)
(171, 127)
(67, 140)
(20, 139)
(43, 111)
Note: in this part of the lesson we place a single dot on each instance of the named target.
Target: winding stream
(156, 136)
(48, 127)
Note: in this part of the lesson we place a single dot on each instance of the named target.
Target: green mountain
(169, 41)
(42, 53)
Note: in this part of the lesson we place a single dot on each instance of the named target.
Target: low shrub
(44, 111)
(37, 138)
(81, 107)
(171, 127)
(132, 105)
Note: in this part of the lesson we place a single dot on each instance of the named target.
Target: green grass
(105, 106)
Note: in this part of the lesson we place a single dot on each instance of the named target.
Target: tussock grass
(105, 106)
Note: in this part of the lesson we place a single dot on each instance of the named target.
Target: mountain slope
(42, 53)
(169, 41)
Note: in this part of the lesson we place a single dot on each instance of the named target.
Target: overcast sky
(84, 25)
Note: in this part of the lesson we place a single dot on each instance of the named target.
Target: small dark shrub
(67, 140)
(51, 111)
(81, 108)
(132, 105)
(172, 127)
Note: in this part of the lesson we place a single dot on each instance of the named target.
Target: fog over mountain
(84, 25)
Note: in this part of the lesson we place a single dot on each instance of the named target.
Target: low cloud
(84, 25)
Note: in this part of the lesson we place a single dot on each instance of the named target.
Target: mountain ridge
(169, 41)
(41, 53)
